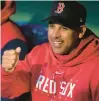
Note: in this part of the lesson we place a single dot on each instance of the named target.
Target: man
(65, 69)
(11, 34)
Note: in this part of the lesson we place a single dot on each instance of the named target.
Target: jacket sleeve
(17, 82)
(13, 44)
(94, 84)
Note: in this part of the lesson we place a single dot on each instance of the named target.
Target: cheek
(66, 36)
(50, 33)
(48, 36)
(69, 39)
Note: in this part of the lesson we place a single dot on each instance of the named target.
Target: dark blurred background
(30, 13)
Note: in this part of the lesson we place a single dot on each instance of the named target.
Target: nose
(56, 33)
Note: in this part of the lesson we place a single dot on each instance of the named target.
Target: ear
(82, 32)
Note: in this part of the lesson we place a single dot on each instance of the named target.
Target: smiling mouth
(57, 44)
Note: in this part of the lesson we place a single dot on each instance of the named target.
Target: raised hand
(10, 59)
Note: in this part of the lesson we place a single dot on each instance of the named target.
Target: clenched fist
(10, 59)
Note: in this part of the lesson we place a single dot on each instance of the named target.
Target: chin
(58, 52)
(61, 52)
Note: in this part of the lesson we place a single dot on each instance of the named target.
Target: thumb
(18, 50)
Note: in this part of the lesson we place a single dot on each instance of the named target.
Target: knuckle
(4, 59)
(3, 56)
(7, 51)
(3, 65)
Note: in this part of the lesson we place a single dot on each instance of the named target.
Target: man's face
(62, 39)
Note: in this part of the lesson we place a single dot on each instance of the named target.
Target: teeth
(57, 42)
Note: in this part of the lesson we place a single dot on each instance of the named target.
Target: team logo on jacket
(49, 86)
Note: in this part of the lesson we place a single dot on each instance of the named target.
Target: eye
(65, 28)
(51, 25)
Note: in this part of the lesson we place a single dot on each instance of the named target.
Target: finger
(18, 50)
(7, 57)
(7, 66)
(8, 62)
(9, 52)
(9, 70)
